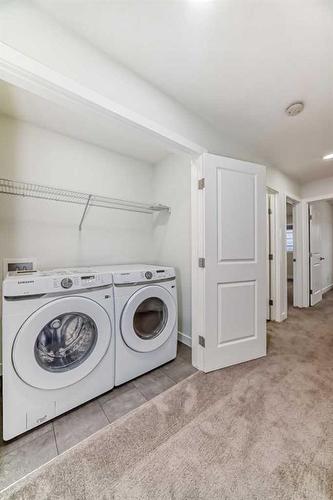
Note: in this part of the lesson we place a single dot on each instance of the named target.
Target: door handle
(322, 258)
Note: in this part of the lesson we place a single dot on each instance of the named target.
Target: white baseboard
(327, 288)
(185, 339)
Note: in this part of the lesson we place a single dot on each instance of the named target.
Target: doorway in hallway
(290, 253)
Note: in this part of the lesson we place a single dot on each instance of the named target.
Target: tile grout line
(172, 380)
(107, 418)
(165, 375)
(55, 438)
(140, 393)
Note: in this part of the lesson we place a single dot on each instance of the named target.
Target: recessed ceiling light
(295, 108)
(328, 157)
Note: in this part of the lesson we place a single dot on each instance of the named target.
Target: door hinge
(201, 183)
(202, 341)
(310, 217)
(270, 211)
(271, 303)
(270, 256)
(202, 262)
(311, 292)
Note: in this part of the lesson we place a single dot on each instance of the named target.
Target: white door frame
(297, 254)
(305, 237)
(297, 299)
(279, 283)
(305, 255)
(198, 250)
(273, 268)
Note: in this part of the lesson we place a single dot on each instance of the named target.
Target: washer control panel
(59, 280)
(77, 281)
(151, 274)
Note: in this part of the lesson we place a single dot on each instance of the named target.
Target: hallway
(290, 292)
(308, 329)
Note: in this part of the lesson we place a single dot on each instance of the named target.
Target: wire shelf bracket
(87, 200)
(84, 212)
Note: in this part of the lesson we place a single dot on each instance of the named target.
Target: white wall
(280, 182)
(325, 217)
(49, 230)
(172, 233)
(317, 189)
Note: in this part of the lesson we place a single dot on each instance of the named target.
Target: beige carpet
(261, 430)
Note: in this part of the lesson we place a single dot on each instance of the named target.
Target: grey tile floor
(25, 453)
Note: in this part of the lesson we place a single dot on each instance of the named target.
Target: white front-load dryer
(145, 318)
(58, 344)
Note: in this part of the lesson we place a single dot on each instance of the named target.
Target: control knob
(66, 283)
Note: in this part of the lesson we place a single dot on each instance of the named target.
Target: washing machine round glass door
(61, 342)
(148, 318)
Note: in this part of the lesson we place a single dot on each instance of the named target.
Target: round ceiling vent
(295, 108)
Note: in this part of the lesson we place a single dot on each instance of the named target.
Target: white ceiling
(236, 63)
(111, 134)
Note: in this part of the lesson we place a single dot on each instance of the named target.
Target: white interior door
(316, 293)
(235, 262)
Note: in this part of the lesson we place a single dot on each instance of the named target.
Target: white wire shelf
(30, 190)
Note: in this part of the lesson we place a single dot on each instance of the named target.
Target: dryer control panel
(148, 274)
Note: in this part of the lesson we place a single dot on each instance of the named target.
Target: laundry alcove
(76, 145)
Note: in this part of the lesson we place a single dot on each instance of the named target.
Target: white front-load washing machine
(145, 318)
(58, 344)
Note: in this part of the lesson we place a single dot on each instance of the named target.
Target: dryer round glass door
(148, 319)
(61, 343)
